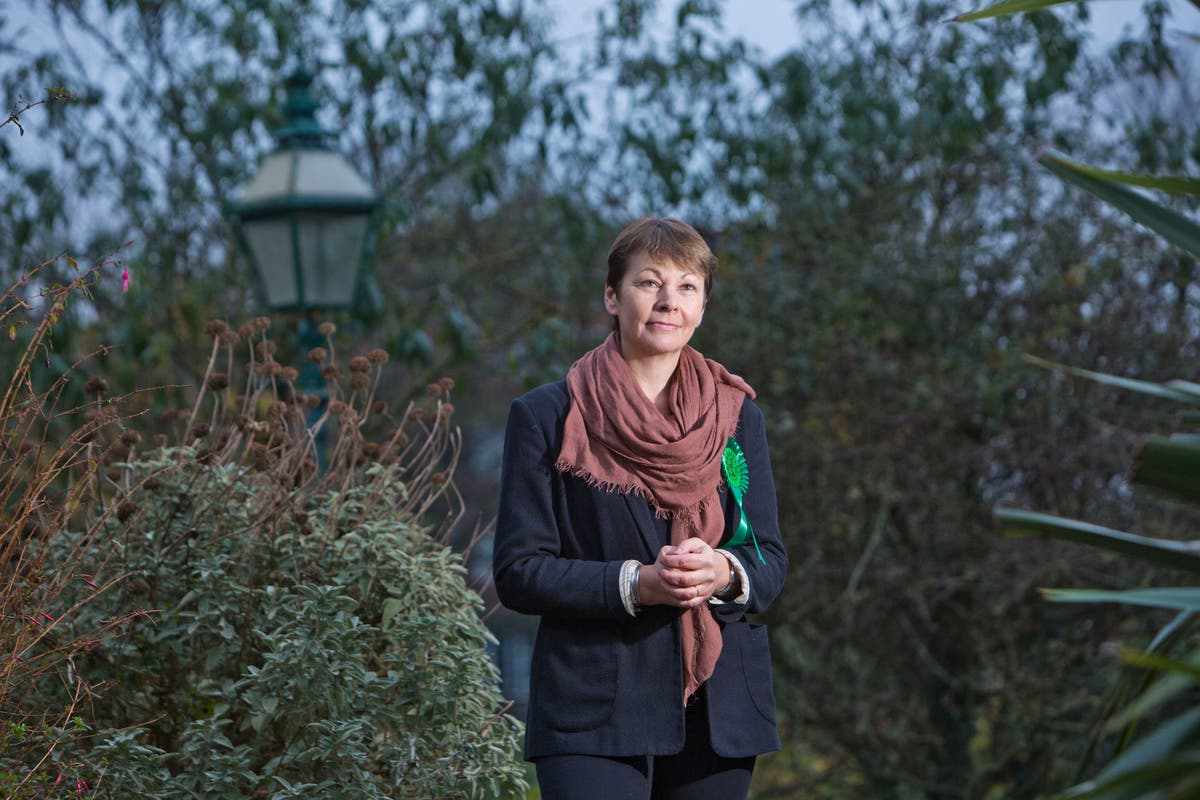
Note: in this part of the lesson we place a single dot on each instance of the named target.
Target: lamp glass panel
(331, 247)
(270, 242)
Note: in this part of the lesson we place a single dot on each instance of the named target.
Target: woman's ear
(610, 301)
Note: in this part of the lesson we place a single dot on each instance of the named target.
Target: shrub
(286, 631)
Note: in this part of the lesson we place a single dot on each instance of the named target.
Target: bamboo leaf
(1180, 598)
(1019, 522)
(1138, 783)
(1184, 386)
(1174, 184)
(1189, 669)
(1131, 384)
(1170, 224)
(1153, 751)
(1166, 688)
(1171, 465)
(1006, 8)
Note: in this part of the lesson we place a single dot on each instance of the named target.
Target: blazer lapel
(639, 509)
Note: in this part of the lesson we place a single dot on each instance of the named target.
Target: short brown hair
(662, 239)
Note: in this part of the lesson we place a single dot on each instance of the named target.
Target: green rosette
(736, 473)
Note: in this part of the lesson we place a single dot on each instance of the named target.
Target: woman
(620, 529)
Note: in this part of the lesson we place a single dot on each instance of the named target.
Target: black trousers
(695, 773)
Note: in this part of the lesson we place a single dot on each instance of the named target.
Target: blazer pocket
(756, 667)
(577, 679)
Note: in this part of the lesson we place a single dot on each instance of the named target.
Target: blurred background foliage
(889, 247)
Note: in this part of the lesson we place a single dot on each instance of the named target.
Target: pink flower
(125, 278)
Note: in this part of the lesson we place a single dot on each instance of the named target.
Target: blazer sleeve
(531, 574)
(766, 579)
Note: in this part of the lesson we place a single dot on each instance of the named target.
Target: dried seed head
(371, 450)
(160, 440)
(96, 385)
(327, 329)
(288, 374)
(199, 431)
(130, 437)
(310, 401)
(359, 364)
(218, 381)
(446, 383)
(331, 373)
(262, 324)
(118, 451)
(276, 577)
(313, 573)
(359, 380)
(264, 348)
(337, 408)
(214, 328)
(379, 407)
(136, 587)
(415, 415)
(230, 337)
(437, 478)
(125, 510)
(377, 356)
(434, 389)
(318, 354)
(151, 483)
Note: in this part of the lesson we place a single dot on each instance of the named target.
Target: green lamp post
(305, 219)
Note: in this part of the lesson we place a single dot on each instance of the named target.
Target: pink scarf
(615, 439)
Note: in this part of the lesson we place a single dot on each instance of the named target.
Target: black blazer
(603, 682)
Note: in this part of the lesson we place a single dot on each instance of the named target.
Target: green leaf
(1007, 8)
(1131, 384)
(1185, 669)
(1171, 465)
(1174, 184)
(1170, 224)
(1019, 522)
(1161, 691)
(1148, 764)
(1181, 598)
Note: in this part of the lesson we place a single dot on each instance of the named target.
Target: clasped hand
(684, 575)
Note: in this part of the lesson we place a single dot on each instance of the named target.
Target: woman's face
(658, 304)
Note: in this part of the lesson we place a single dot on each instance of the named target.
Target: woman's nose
(666, 298)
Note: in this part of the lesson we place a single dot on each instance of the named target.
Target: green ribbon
(736, 473)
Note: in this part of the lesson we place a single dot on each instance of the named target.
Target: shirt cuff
(743, 581)
(629, 571)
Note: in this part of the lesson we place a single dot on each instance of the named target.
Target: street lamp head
(304, 220)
